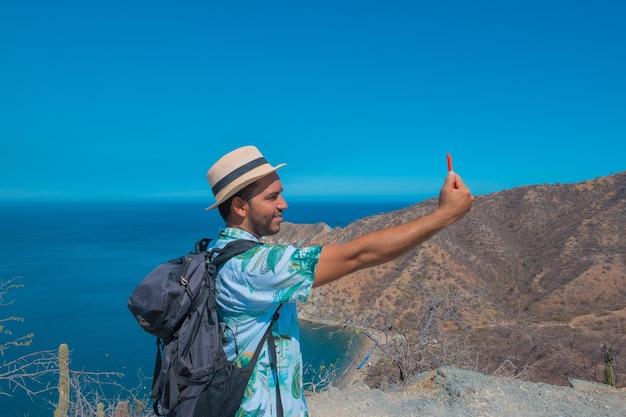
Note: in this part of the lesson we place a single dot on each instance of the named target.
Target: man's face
(265, 208)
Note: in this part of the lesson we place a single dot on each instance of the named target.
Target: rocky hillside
(453, 392)
(547, 264)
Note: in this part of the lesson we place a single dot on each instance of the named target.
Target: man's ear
(239, 206)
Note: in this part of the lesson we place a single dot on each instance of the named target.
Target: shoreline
(352, 375)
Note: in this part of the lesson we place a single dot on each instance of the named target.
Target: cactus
(64, 382)
(100, 410)
(609, 356)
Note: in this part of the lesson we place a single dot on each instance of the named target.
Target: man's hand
(455, 199)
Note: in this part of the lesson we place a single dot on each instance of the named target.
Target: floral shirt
(250, 288)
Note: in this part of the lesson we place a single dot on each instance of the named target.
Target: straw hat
(236, 170)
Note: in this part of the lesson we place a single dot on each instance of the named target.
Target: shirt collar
(230, 233)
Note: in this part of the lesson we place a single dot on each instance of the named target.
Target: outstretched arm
(386, 244)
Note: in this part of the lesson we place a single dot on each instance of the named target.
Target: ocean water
(80, 261)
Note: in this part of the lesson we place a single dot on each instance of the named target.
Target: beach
(352, 375)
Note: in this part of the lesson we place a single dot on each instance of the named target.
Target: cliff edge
(449, 391)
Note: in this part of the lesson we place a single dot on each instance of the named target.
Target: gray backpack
(176, 303)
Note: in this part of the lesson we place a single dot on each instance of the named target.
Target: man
(252, 286)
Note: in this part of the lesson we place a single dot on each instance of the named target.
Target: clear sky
(133, 99)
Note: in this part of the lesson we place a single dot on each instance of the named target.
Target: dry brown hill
(549, 263)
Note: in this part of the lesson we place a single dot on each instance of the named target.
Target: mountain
(547, 262)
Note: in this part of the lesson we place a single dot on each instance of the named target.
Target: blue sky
(136, 99)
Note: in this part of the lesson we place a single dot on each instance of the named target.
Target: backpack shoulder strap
(269, 337)
(219, 256)
(272, 346)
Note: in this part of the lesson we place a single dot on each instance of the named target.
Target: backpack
(176, 303)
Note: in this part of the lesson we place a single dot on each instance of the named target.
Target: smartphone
(450, 167)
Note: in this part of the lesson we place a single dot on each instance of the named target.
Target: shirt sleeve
(269, 274)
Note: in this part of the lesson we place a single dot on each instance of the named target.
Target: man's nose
(282, 203)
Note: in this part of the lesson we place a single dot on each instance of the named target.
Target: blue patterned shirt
(250, 288)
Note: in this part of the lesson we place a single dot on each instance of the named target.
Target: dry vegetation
(535, 276)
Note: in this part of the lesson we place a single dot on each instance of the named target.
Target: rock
(589, 386)
(450, 391)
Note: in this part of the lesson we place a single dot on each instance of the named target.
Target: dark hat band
(219, 186)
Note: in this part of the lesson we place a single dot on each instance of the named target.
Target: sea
(78, 262)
